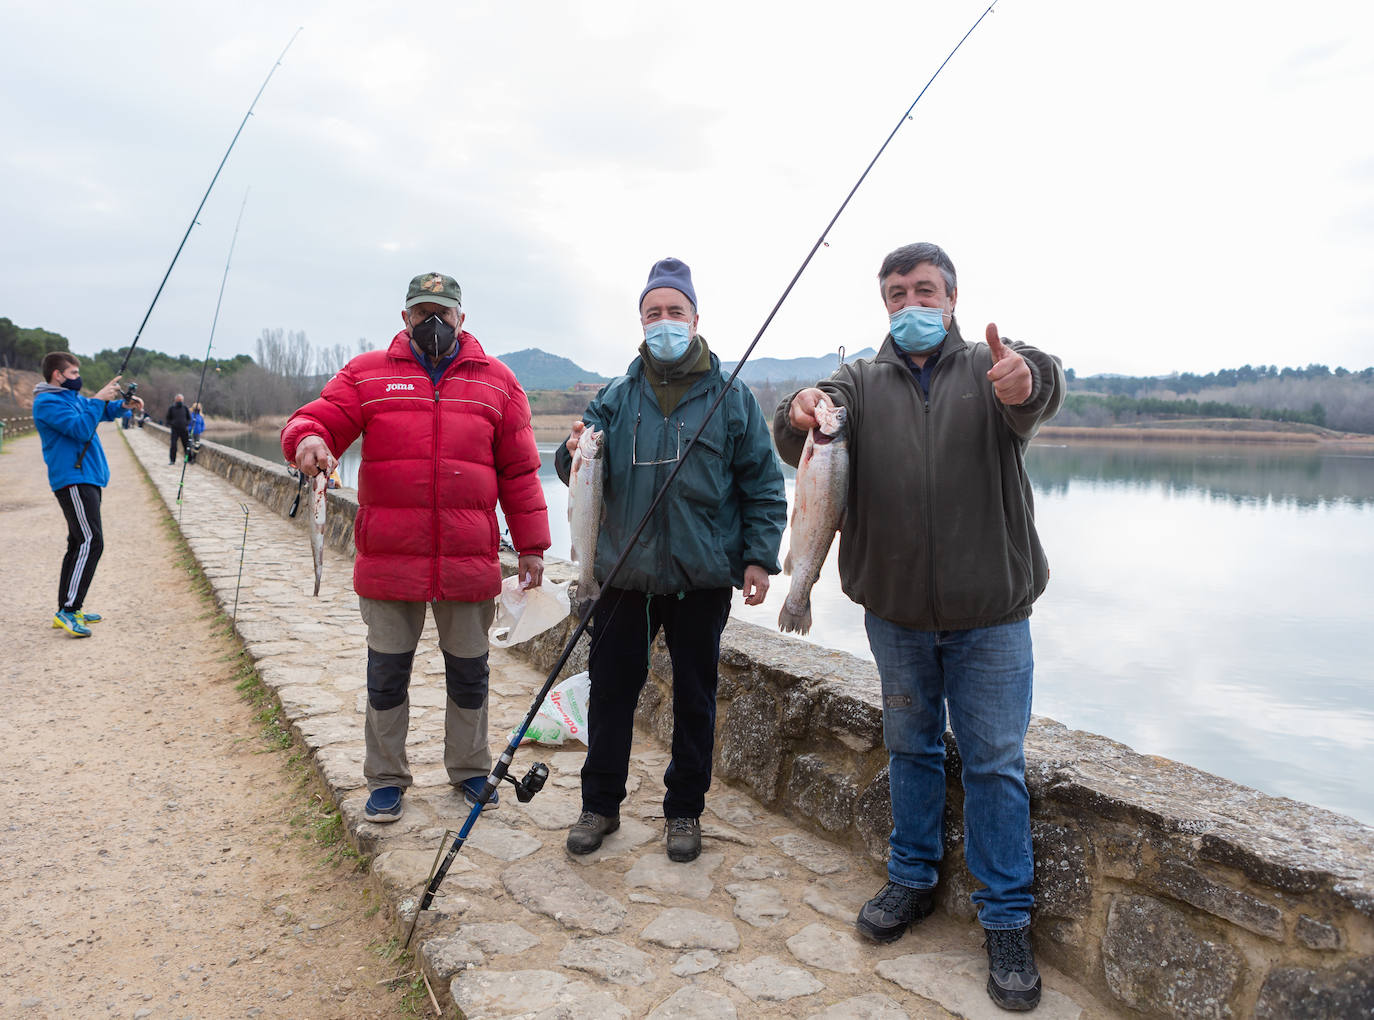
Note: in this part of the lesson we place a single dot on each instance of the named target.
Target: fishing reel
(127, 392)
(534, 781)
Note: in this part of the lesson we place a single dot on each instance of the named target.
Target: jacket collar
(468, 349)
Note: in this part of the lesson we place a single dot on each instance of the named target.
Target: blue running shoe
(385, 804)
(85, 617)
(65, 619)
(472, 792)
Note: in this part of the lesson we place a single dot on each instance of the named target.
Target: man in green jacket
(718, 527)
(939, 547)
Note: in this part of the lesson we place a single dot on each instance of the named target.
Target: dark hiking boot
(1013, 981)
(887, 916)
(586, 835)
(684, 839)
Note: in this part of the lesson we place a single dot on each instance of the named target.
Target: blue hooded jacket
(65, 420)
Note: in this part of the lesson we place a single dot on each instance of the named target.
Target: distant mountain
(539, 370)
(805, 370)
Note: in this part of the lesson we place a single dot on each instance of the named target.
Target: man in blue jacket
(718, 527)
(77, 472)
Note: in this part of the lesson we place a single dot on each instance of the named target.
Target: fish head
(830, 419)
(589, 444)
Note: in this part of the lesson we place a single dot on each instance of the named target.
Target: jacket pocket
(705, 477)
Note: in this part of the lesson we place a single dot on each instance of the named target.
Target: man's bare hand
(802, 414)
(1010, 375)
(110, 390)
(313, 457)
(530, 570)
(578, 427)
(755, 583)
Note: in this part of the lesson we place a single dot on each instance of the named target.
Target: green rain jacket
(725, 510)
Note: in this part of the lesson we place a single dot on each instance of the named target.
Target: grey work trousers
(393, 632)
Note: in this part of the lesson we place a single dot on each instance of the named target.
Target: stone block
(800, 705)
(1316, 935)
(1183, 882)
(1156, 962)
(1294, 993)
(1063, 879)
(748, 747)
(853, 718)
(873, 815)
(823, 791)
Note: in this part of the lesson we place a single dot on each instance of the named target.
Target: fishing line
(502, 767)
(213, 323)
(194, 219)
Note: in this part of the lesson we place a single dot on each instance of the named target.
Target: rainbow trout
(584, 511)
(319, 486)
(821, 492)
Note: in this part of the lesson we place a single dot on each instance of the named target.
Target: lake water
(1211, 604)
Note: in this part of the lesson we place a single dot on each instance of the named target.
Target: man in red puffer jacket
(446, 434)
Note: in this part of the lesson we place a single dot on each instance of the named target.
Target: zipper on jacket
(434, 560)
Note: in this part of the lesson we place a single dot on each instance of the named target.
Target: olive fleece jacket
(939, 529)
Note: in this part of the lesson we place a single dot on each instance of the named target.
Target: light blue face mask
(917, 329)
(668, 339)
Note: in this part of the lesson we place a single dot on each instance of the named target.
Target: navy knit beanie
(670, 273)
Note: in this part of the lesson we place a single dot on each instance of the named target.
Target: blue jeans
(984, 676)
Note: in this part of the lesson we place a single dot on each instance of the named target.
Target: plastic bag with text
(563, 714)
(521, 614)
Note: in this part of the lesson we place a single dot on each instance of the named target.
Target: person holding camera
(77, 472)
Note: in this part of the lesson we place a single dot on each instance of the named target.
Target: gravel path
(150, 867)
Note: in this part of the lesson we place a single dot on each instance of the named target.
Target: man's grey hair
(909, 256)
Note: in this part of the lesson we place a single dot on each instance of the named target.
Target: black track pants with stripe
(85, 543)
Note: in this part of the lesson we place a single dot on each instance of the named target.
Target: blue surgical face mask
(668, 339)
(72, 384)
(917, 329)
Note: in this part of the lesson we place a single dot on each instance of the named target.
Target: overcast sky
(1138, 188)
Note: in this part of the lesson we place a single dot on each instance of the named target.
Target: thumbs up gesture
(1010, 375)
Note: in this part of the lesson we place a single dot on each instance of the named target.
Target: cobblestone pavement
(760, 925)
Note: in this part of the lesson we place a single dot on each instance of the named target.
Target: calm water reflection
(1209, 604)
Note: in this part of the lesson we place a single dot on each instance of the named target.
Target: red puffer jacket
(435, 461)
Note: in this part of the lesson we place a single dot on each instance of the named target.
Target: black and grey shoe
(887, 916)
(684, 839)
(585, 836)
(1013, 981)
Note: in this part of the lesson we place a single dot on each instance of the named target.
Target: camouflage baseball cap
(436, 288)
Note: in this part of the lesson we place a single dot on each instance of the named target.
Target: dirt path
(157, 859)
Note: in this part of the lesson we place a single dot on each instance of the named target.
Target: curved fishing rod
(534, 781)
(213, 322)
(191, 226)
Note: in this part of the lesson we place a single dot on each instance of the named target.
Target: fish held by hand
(822, 490)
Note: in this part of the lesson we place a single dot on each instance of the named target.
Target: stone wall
(1161, 888)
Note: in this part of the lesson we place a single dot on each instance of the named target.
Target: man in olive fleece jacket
(939, 547)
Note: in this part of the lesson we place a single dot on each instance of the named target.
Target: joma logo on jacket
(399, 386)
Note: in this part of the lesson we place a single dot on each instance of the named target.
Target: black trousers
(185, 438)
(85, 543)
(623, 628)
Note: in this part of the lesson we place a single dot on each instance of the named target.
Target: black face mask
(434, 337)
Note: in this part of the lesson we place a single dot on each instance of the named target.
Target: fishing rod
(213, 322)
(191, 226)
(534, 781)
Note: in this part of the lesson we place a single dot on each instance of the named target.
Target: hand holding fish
(576, 436)
(1010, 375)
(313, 457)
(802, 413)
(755, 586)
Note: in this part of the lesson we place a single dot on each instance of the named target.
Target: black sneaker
(585, 836)
(684, 839)
(887, 916)
(1013, 981)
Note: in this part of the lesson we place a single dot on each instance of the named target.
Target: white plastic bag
(563, 714)
(521, 614)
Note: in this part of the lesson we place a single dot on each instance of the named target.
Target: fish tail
(795, 623)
